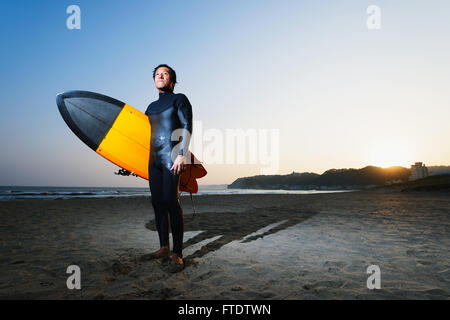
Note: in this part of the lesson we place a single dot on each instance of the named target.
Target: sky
(330, 91)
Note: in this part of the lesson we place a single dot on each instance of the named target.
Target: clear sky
(341, 95)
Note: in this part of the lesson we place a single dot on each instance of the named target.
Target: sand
(310, 246)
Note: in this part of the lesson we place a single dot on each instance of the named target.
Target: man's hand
(178, 165)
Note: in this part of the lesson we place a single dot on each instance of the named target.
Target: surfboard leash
(193, 207)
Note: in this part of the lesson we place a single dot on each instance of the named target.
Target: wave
(11, 193)
(54, 193)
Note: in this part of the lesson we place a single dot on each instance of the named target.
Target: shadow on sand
(238, 226)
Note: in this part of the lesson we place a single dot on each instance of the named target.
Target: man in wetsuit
(171, 120)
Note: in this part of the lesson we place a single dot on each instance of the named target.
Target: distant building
(418, 171)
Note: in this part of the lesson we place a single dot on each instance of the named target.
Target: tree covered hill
(368, 176)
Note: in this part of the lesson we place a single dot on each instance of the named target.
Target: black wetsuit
(168, 113)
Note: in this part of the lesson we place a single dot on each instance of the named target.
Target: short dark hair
(173, 75)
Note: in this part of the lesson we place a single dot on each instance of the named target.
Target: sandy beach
(266, 246)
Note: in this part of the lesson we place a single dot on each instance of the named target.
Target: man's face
(162, 79)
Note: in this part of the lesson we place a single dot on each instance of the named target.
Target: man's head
(164, 77)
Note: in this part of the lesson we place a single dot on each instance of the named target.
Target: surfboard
(118, 132)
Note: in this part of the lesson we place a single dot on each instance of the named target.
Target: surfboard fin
(123, 172)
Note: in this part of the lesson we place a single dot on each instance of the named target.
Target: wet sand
(311, 246)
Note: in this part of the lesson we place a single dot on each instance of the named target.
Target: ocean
(52, 193)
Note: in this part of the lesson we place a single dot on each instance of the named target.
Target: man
(170, 113)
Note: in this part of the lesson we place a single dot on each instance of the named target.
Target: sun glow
(389, 154)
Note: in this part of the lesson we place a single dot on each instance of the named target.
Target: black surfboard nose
(88, 114)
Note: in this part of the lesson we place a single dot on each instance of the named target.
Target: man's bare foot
(159, 254)
(176, 263)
